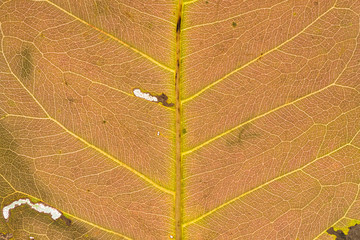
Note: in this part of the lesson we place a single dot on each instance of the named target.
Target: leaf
(245, 122)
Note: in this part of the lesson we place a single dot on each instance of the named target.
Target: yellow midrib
(178, 185)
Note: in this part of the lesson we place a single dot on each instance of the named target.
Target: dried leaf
(197, 119)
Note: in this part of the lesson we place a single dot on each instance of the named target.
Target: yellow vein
(24, 116)
(255, 118)
(254, 60)
(70, 215)
(178, 128)
(232, 17)
(84, 141)
(261, 186)
(145, 13)
(114, 159)
(92, 81)
(114, 38)
(189, 2)
(282, 106)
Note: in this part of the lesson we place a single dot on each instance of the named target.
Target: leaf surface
(255, 134)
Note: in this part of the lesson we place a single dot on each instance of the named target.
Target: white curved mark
(40, 207)
(146, 96)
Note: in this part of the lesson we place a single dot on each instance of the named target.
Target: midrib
(178, 188)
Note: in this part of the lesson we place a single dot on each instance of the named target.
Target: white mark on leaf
(40, 207)
(146, 96)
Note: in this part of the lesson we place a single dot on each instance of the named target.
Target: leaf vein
(151, 59)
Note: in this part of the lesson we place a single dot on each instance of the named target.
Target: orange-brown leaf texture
(245, 123)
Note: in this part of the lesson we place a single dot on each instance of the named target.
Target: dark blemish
(234, 24)
(66, 220)
(160, 98)
(26, 64)
(70, 99)
(316, 3)
(353, 234)
(261, 55)
(239, 137)
(6, 236)
(104, 121)
(244, 134)
(66, 83)
(163, 99)
(184, 131)
(206, 2)
(178, 25)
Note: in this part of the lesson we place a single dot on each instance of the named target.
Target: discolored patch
(353, 234)
(101, 7)
(178, 25)
(17, 169)
(163, 99)
(6, 236)
(242, 135)
(152, 98)
(26, 64)
(66, 220)
(234, 24)
(38, 206)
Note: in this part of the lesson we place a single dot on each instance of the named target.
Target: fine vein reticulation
(68, 214)
(181, 222)
(116, 39)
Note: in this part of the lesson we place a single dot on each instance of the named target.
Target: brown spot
(66, 220)
(353, 234)
(178, 25)
(316, 3)
(184, 131)
(261, 55)
(163, 99)
(243, 134)
(234, 24)
(26, 64)
(6, 236)
(104, 121)
(70, 99)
